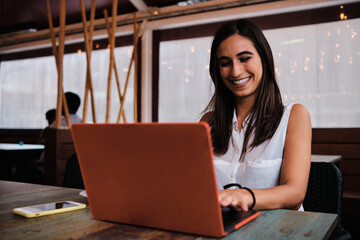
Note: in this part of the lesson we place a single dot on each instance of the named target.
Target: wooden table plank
(272, 224)
(284, 224)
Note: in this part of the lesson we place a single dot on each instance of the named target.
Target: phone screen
(51, 206)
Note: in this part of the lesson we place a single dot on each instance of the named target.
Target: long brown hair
(268, 108)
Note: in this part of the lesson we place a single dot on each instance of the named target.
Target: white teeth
(241, 81)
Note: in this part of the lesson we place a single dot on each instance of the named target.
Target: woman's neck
(243, 108)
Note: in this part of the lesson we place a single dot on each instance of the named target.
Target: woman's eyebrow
(244, 52)
(239, 54)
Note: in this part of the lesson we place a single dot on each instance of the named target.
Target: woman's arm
(294, 172)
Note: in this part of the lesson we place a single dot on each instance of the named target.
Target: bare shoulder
(206, 117)
(299, 113)
(299, 118)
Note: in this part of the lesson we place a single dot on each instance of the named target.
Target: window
(317, 65)
(185, 85)
(29, 87)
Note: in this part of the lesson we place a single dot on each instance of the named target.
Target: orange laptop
(155, 175)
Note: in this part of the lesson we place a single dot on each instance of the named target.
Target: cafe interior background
(316, 47)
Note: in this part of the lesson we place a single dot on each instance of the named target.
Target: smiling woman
(260, 145)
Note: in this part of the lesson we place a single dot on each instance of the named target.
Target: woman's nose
(237, 69)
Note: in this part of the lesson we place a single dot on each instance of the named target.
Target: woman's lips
(241, 81)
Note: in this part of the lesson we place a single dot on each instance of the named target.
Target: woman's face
(240, 65)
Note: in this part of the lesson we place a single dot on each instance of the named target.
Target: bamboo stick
(60, 61)
(88, 85)
(51, 29)
(66, 110)
(53, 42)
(115, 68)
(91, 27)
(135, 70)
(84, 118)
(112, 44)
(91, 31)
(129, 71)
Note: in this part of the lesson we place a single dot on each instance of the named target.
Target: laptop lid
(154, 175)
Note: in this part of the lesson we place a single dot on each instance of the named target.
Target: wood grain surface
(272, 224)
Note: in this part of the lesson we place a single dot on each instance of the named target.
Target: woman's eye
(245, 59)
(224, 63)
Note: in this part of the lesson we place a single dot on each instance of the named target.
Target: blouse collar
(243, 124)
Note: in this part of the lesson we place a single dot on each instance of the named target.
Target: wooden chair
(59, 147)
(324, 194)
(73, 177)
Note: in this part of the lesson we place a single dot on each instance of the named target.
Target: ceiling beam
(140, 5)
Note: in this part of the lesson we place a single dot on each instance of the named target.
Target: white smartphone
(48, 208)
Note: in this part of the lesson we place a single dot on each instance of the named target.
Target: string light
(353, 33)
(293, 66)
(306, 67)
(350, 60)
(79, 51)
(278, 71)
(342, 15)
(337, 58)
(189, 72)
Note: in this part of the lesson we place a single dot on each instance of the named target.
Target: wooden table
(20, 147)
(326, 158)
(272, 224)
(13, 154)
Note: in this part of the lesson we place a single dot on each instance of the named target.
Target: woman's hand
(237, 199)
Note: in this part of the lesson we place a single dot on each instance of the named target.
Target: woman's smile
(241, 82)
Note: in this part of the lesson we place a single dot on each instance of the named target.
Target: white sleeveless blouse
(261, 166)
